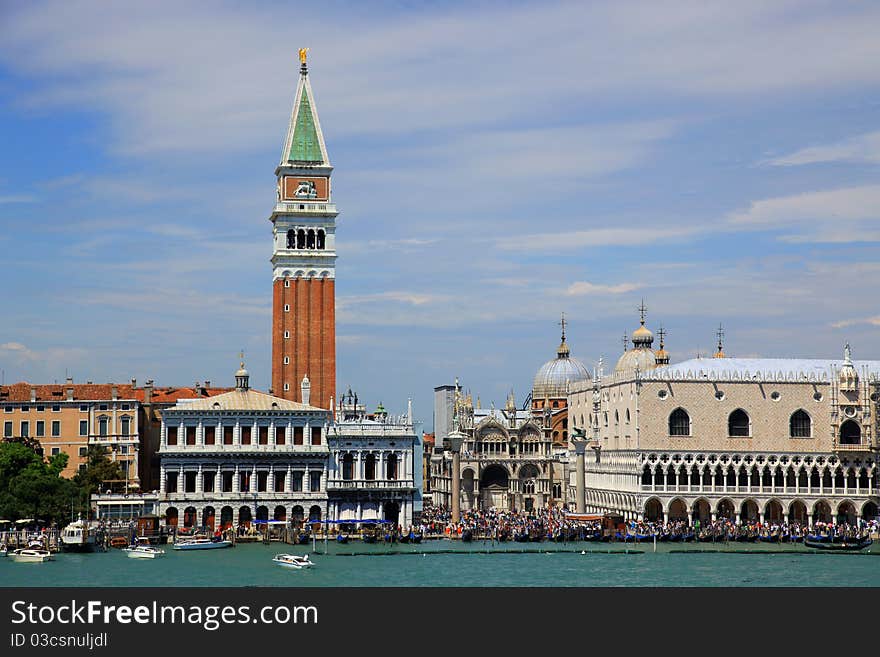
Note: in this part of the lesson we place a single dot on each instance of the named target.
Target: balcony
(369, 484)
(252, 450)
(241, 497)
(305, 206)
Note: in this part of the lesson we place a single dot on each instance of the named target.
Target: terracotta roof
(21, 392)
(428, 439)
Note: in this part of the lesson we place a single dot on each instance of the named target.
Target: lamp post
(579, 440)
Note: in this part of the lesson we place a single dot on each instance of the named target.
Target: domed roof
(643, 335)
(554, 377)
(643, 359)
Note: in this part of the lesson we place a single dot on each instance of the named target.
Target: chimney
(114, 392)
(88, 383)
(207, 384)
(69, 392)
(148, 391)
(134, 382)
(69, 380)
(33, 393)
(197, 387)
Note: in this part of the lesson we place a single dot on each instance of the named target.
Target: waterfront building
(70, 417)
(373, 467)
(304, 257)
(241, 456)
(749, 439)
(510, 458)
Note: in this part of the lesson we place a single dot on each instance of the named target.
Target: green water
(430, 564)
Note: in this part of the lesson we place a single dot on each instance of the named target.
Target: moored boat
(202, 544)
(31, 555)
(293, 561)
(840, 544)
(78, 536)
(143, 550)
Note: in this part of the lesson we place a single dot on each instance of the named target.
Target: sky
(496, 164)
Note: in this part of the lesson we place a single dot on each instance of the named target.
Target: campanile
(304, 258)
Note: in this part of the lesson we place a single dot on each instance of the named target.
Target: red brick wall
(311, 347)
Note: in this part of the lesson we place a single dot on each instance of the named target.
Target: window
(56, 428)
(190, 436)
(227, 435)
(286, 282)
(348, 467)
(56, 408)
(25, 429)
(297, 481)
(286, 335)
(7, 429)
(279, 482)
(850, 433)
(123, 449)
(297, 435)
(286, 387)
(56, 451)
(126, 407)
(391, 467)
(316, 435)
(102, 407)
(279, 435)
(40, 408)
(208, 482)
(41, 428)
(245, 435)
(125, 426)
(286, 308)
(171, 436)
(679, 423)
(738, 424)
(83, 408)
(25, 408)
(209, 435)
(287, 360)
(102, 426)
(7, 409)
(263, 436)
(315, 481)
(799, 424)
(171, 482)
(83, 451)
(83, 427)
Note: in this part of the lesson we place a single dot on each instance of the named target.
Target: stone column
(236, 481)
(455, 440)
(199, 482)
(580, 447)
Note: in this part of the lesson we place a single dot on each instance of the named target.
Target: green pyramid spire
(304, 147)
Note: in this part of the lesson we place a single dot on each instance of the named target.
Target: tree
(31, 487)
(99, 468)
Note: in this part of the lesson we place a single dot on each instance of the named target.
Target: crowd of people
(555, 524)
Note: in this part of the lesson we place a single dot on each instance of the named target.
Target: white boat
(142, 551)
(78, 536)
(293, 561)
(31, 555)
(201, 544)
(3, 551)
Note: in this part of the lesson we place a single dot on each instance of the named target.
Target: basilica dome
(554, 377)
(641, 356)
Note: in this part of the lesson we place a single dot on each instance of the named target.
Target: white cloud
(567, 240)
(582, 288)
(870, 321)
(861, 149)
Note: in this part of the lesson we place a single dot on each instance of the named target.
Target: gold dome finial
(720, 333)
(303, 53)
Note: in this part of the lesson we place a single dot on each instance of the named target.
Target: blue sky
(496, 165)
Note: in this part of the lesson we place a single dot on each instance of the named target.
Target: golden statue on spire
(302, 55)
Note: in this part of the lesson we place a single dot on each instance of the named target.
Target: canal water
(452, 563)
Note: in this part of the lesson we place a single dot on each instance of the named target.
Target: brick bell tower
(304, 258)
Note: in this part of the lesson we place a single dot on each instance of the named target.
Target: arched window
(850, 433)
(300, 239)
(679, 423)
(627, 416)
(310, 239)
(738, 423)
(321, 239)
(291, 239)
(370, 467)
(391, 467)
(348, 467)
(799, 424)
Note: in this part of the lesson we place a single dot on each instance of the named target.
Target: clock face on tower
(302, 188)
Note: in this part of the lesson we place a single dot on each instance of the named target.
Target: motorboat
(293, 561)
(78, 536)
(3, 551)
(202, 544)
(142, 550)
(31, 555)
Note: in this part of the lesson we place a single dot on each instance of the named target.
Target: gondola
(839, 545)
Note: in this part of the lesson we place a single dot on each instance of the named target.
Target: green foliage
(99, 468)
(32, 486)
